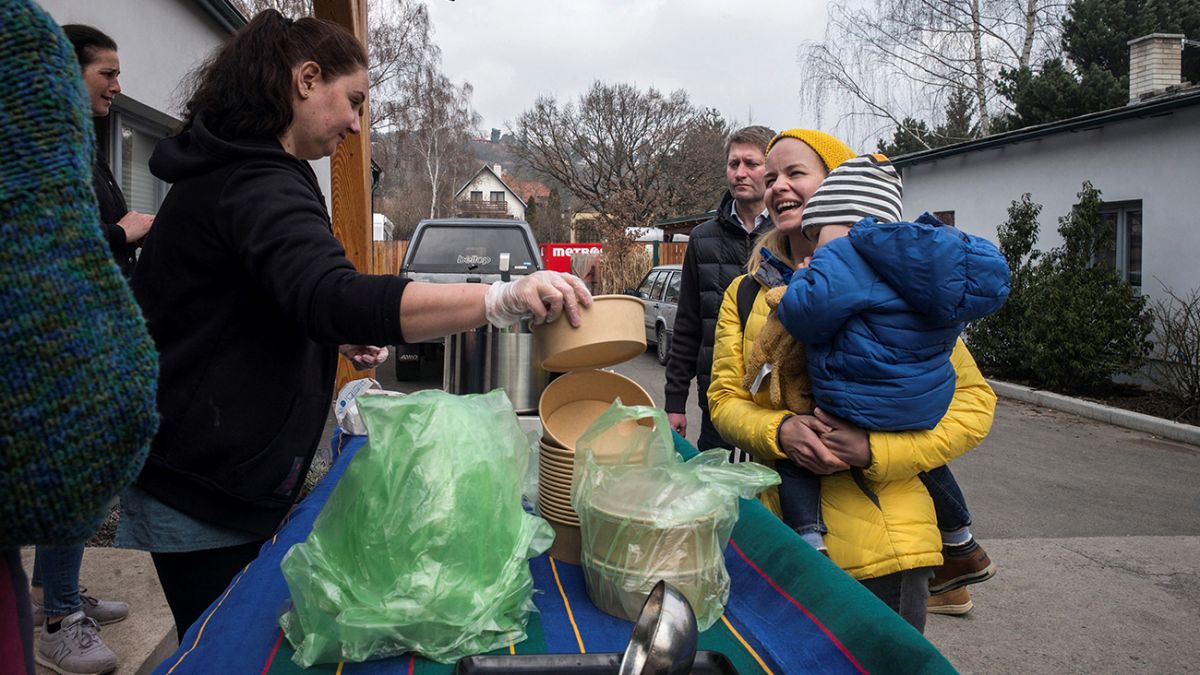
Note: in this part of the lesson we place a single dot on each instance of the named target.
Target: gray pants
(906, 592)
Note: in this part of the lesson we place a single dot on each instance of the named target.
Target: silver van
(660, 290)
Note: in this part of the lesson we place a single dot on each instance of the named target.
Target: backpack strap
(746, 292)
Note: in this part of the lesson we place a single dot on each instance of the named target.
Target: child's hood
(939, 270)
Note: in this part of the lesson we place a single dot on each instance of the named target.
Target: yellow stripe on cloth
(745, 645)
(567, 604)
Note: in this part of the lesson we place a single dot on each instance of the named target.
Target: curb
(1175, 431)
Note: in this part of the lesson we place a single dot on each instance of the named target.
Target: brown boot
(958, 571)
(955, 602)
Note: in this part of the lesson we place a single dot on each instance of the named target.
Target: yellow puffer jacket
(864, 539)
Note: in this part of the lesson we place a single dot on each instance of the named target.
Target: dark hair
(757, 136)
(88, 42)
(244, 89)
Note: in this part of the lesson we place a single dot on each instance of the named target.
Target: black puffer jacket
(716, 254)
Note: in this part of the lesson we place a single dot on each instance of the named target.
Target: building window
(128, 141)
(497, 196)
(1124, 252)
(946, 217)
(476, 195)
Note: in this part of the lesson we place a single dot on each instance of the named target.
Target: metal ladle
(664, 637)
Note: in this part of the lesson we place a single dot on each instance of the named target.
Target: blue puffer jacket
(880, 310)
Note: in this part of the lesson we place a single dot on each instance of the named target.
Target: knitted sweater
(79, 369)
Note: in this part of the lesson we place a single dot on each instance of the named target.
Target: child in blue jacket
(879, 307)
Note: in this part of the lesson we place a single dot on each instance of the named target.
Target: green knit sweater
(77, 366)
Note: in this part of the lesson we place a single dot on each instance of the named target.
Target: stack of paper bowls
(640, 533)
(611, 331)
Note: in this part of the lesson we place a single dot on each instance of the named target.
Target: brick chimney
(1154, 64)
(500, 170)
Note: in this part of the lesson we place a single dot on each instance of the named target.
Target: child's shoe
(955, 602)
(960, 570)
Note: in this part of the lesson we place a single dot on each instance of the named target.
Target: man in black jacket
(716, 254)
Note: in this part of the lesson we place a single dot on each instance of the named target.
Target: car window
(648, 283)
(659, 282)
(471, 249)
(672, 292)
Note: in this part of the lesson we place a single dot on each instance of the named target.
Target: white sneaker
(76, 648)
(103, 611)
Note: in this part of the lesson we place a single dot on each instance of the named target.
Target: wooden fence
(671, 252)
(389, 255)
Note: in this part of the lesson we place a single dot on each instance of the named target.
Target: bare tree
(619, 151)
(901, 59)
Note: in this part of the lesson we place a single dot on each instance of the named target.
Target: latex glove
(542, 296)
(364, 357)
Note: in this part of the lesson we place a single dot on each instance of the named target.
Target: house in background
(1144, 158)
(486, 195)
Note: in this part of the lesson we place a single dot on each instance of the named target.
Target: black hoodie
(247, 294)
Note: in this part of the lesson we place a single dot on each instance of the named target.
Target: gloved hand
(542, 296)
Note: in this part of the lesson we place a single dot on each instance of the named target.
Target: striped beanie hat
(867, 185)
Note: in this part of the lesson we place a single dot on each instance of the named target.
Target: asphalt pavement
(1095, 531)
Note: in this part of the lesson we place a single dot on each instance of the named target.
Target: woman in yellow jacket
(881, 521)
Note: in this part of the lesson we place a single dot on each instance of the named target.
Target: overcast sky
(738, 56)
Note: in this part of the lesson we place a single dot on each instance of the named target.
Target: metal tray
(707, 663)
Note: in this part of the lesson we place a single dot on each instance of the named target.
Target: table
(790, 609)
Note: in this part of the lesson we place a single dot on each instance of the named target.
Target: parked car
(660, 291)
(458, 250)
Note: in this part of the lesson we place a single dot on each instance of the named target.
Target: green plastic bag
(646, 515)
(423, 545)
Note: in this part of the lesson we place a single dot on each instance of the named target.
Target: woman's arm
(900, 454)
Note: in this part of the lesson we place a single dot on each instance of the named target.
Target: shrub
(1069, 324)
(1177, 349)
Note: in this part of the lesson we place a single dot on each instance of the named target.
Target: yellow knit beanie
(832, 151)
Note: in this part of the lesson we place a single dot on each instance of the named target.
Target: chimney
(500, 174)
(1154, 64)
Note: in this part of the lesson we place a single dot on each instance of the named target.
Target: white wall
(159, 41)
(1155, 160)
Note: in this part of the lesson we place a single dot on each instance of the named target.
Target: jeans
(711, 438)
(56, 572)
(800, 498)
(948, 500)
(905, 592)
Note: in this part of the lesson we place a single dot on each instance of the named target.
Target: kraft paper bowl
(611, 331)
(571, 403)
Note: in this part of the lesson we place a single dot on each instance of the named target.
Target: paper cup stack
(611, 331)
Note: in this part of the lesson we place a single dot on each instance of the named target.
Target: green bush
(1069, 325)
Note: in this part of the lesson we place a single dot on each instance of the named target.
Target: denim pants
(800, 498)
(56, 572)
(907, 593)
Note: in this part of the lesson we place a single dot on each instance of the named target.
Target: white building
(1144, 158)
(486, 195)
(160, 43)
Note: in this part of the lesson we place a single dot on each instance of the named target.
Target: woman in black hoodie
(248, 296)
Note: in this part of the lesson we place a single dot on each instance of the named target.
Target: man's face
(744, 169)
